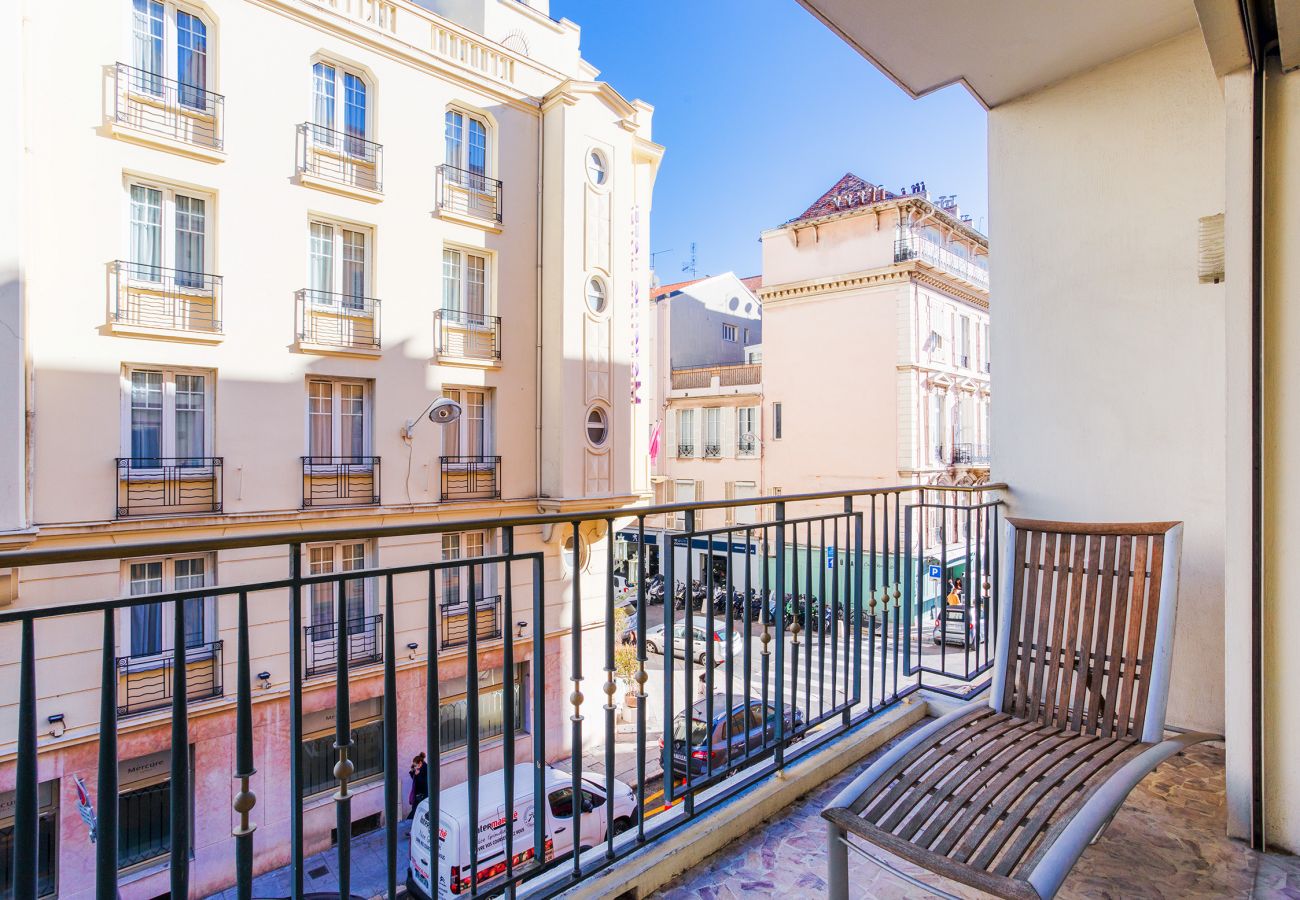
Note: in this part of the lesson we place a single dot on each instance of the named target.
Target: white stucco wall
(1109, 377)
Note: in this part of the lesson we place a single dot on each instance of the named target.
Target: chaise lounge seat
(1004, 795)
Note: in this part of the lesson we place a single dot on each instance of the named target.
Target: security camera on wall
(442, 411)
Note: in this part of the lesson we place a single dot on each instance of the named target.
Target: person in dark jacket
(419, 782)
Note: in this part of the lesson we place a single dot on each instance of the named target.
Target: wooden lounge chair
(1005, 794)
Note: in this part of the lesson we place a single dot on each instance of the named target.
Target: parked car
(455, 828)
(752, 725)
(956, 625)
(655, 642)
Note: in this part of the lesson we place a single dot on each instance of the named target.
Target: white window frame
(729, 332)
(337, 392)
(463, 281)
(778, 419)
(459, 433)
(336, 137)
(340, 553)
(686, 434)
(167, 583)
(749, 413)
(168, 450)
(453, 587)
(460, 157)
(340, 300)
(712, 431)
(681, 486)
(744, 515)
(171, 49)
(167, 255)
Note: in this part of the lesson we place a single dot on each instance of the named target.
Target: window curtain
(353, 426)
(354, 115)
(477, 162)
(451, 577)
(455, 133)
(146, 233)
(354, 596)
(146, 620)
(451, 294)
(320, 417)
(475, 424)
(190, 402)
(475, 288)
(191, 227)
(322, 104)
(190, 574)
(320, 561)
(192, 60)
(147, 46)
(354, 269)
(322, 260)
(146, 418)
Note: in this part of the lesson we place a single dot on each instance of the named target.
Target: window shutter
(1209, 249)
(668, 446)
(699, 491)
(729, 492)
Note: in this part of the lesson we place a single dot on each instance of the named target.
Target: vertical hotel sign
(634, 317)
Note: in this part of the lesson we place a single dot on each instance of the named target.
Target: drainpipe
(539, 399)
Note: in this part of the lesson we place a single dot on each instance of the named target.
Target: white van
(454, 827)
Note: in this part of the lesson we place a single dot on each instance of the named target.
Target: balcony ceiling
(1000, 49)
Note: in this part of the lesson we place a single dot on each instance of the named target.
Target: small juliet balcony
(340, 481)
(334, 322)
(168, 486)
(470, 195)
(467, 337)
(455, 617)
(340, 162)
(151, 300)
(685, 451)
(712, 451)
(747, 446)
(363, 641)
(470, 478)
(144, 681)
(168, 113)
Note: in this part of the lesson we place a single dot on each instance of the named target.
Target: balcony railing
(466, 335)
(941, 258)
(469, 193)
(158, 485)
(340, 480)
(153, 297)
(818, 651)
(970, 454)
(168, 108)
(457, 629)
(471, 477)
(728, 376)
(685, 451)
(340, 157)
(334, 319)
(145, 682)
(364, 641)
(712, 451)
(747, 447)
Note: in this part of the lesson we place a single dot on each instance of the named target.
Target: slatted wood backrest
(1087, 625)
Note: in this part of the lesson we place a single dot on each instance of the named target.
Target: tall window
(47, 827)
(166, 37)
(454, 583)
(471, 434)
(168, 417)
(151, 626)
(144, 809)
(936, 425)
(965, 341)
(453, 711)
(464, 283)
(747, 430)
(329, 559)
(685, 432)
(743, 490)
(467, 143)
(339, 265)
(685, 490)
(343, 129)
(712, 431)
(728, 332)
(776, 421)
(168, 230)
(337, 419)
(319, 754)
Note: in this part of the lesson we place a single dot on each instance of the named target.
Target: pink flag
(654, 442)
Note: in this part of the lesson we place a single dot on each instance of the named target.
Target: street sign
(935, 571)
(830, 557)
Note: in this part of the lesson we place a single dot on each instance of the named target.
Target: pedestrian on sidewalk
(701, 688)
(419, 782)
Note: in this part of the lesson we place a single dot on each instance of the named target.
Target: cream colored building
(879, 300)
(246, 245)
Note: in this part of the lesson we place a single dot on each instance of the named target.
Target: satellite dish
(749, 437)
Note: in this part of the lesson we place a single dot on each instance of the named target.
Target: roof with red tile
(753, 282)
(664, 289)
(847, 193)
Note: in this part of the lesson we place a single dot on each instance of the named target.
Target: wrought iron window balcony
(456, 624)
(466, 335)
(471, 477)
(970, 455)
(340, 480)
(685, 451)
(712, 451)
(147, 296)
(336, 319)
(364, 639)
(747, 448)
(469, 193)
(144, 682)
(340, 157)
(168, 108)
(165, 485)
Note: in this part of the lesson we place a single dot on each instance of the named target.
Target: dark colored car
(751, 727)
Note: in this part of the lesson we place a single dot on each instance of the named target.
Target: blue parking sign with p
(935, 571)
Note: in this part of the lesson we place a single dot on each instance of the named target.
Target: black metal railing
(812, 621)
(339, 480)
(144, 682)
(712, 451)
(469, 193)
(456, 625)
(685, 451)
(168, 108)
(466, 335)
(364, 640)
(471, 477)
(168, 485)
(970, 454)
(338, 319)
(153, 297)
(340, 157)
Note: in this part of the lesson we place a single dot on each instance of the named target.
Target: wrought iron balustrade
(747, 447)
(338, 319)
(340, 480)
(340, 157)
(144, 681)
(150, 296)
(469, 193)
(466, 335)
(363, 638)
(712, 451)
(471, 477)
(827, 597)
(685, 451)
(167, 485)
(151, 103)
(970, 454)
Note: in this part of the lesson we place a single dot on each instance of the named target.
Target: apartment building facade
(267, 290)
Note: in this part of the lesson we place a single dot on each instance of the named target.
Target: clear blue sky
(761, 109)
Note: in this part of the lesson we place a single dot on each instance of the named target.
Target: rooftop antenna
(689, 265)
(655, 253)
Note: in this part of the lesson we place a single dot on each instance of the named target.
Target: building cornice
(892, 274)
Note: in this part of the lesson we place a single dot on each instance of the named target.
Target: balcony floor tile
(1166, 842)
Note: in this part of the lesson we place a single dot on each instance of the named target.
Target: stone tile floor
(1166, 842)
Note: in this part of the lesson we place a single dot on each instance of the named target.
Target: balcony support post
(296, 835)
(344, 768)
(245, 800)
(106, 809)
(779, 753)
(180, 775)
(26, 849)
(390, 742)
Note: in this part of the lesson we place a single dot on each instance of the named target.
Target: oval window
(596, 295)
(597, 171)
(597, 426)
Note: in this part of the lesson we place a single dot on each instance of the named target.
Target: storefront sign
(144, 768)
(361, 711)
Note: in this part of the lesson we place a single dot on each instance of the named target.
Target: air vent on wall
(1209, 249)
